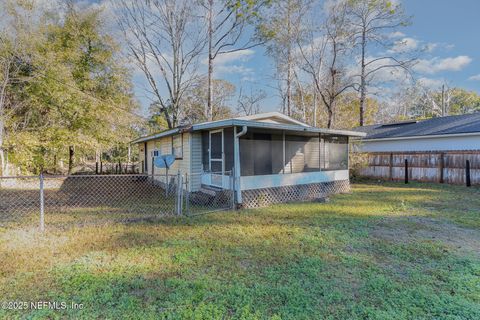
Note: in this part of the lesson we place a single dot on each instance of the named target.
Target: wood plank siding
(446, 166)
(164, 145)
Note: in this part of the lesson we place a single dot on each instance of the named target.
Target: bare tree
(324, 58)
(196, 100)
(372, 21)
(250, 104)
(226, 22)
(283, 26)
(165, 41)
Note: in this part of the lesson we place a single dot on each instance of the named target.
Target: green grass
(385, 251)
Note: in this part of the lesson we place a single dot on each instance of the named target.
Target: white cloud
(430, 83)
(436, 64)
(429, 47)
(475, 78)
(243, 55)
(405, 45)
(396, 34)
(231, 63)
(238, 69)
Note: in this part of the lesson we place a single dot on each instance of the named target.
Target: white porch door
(216, 158)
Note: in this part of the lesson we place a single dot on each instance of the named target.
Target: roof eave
(156, 136)
(423, 136)
(268, 125)
(251, 124)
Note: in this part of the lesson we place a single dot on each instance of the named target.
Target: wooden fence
(442, 167)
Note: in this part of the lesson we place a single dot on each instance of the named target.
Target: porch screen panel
(277, 153)
(216, 145)
(302, 154)
(335, 153)
(261, 154)
(228, 149)
(205, 146)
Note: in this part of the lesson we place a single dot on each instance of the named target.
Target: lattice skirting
(306, 192)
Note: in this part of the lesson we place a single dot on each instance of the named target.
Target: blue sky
(449, 28)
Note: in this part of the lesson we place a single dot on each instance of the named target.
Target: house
(435, 150)
(269, 157)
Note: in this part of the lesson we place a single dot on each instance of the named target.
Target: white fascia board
(274, 114)
(156, 136)
(424, 137)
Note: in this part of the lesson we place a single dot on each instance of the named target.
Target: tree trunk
(289, 62)
(2, 162)
(209, 111)
(330, 118)
(363, 85)
(55, 163)
(71, 154)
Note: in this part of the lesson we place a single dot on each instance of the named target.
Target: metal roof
(441, 126)
(274, 114)
(251, 124)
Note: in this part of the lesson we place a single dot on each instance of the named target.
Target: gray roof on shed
(461, 124)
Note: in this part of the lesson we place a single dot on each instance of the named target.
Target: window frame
(180, 135)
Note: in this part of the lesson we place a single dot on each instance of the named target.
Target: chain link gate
(77, 200)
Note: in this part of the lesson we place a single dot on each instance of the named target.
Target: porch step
(211, 191)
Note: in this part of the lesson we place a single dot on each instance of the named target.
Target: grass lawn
(385, 251)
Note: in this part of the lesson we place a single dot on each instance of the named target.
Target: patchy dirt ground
(411, 228)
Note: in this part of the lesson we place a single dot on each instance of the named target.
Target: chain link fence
(77, 200)
(207, 199)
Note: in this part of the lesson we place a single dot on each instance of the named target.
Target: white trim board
(291, 179)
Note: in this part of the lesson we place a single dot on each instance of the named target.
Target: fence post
(406, 171)
(390, 167)
(467, 174)
(187, 195)
(42, 204)
(442, 166)
(179, 193)
(96, 167)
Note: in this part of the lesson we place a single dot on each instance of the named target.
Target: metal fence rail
(76, 200)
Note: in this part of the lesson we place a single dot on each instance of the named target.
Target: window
(177, 146)
(155, 153)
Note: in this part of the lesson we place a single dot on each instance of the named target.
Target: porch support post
(236, 167)
(283, 149)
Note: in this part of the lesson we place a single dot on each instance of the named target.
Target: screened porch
(271, 158)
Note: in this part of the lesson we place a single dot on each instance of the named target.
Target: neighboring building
(436, 149)
(270, 157)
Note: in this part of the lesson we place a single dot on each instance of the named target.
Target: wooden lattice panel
(307, 192)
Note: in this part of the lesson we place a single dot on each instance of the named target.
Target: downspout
(236, 151)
